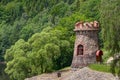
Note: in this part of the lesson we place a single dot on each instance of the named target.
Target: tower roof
(82, 26)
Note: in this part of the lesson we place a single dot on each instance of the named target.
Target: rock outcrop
(76, 74)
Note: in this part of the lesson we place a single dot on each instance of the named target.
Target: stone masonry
(86, 44)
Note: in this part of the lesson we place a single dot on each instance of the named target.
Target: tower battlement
(86, 26)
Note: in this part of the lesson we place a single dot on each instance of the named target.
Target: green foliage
(13, 10)
(59, 9)
(100, 67)
(16, 58)
(110, 31)
(110, 25)
(104, 68)
(37, 51)
(34, 48)
(23, 18)
(40, 54)
(115, 67)
(3, 75)
(106, 55)
(90, 9)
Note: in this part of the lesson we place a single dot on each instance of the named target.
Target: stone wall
(89, 40)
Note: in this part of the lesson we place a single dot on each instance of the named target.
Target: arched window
(80, 50)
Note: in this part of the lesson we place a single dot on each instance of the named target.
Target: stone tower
(86, 44)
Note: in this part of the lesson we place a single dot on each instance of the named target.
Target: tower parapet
(86, 26)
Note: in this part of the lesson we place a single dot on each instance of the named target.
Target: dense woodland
(36, 36)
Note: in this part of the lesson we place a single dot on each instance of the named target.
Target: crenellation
(86, 26)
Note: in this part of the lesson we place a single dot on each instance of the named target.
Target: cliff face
(77, 74)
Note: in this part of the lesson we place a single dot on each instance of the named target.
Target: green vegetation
(3, 75)
(100, 67)
(110, 31)
(110, 19)
(106, 55)
(103, 68)
(65, 69)
(40, 54)
(37, 36)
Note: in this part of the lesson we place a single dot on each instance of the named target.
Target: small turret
(86, 43)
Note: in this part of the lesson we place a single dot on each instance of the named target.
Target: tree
(115, 65)
(39, 54)
(28, 19)
(90, 9)
(16, 58)
(110, 27)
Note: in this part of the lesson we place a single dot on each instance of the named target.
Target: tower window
(80, 50)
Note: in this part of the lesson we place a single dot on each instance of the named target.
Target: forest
(37, 36)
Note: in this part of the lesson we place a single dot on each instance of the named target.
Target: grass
(62, 69)
(103, 68)
(100, 67)
(97, 67)
(65, 69)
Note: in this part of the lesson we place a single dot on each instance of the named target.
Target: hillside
(78, 74)
(36, 36)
